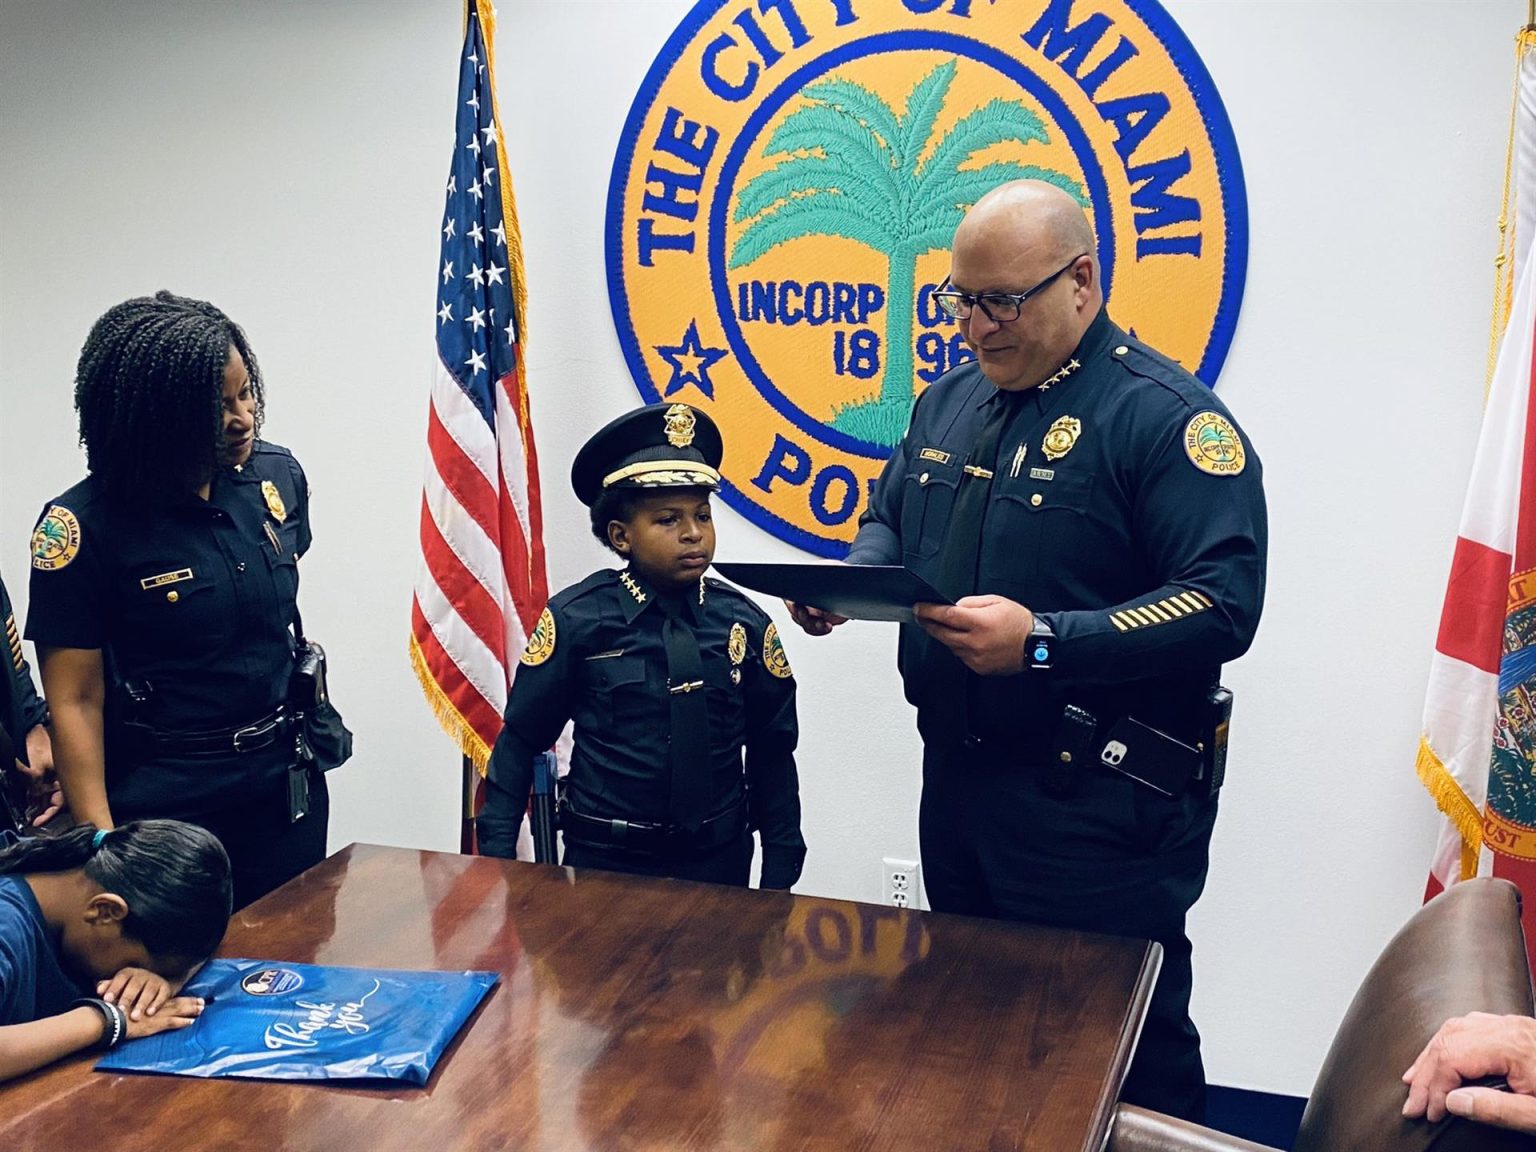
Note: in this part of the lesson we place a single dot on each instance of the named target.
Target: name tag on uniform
(609, 655)
(165, 578)
(935, 455)
(1042, 473)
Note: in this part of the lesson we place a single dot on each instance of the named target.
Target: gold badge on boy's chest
(736, 649)
(274, 500)
(1060, 437)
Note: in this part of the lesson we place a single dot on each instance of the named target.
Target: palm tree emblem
(854, 168)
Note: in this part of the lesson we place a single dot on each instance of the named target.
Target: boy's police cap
(658, 446)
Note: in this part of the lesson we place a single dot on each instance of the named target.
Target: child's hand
(180, 1012)
(137, 991)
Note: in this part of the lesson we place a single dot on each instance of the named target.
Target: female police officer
(163, 588)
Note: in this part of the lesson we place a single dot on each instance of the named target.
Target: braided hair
(149, 390)
(174, 877)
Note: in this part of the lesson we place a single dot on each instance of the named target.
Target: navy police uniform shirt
(596, 657)
(32, 984)
(21, 709)
(194, 599)
(1126, 511)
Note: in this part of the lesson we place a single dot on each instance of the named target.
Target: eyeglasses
(1000, 307)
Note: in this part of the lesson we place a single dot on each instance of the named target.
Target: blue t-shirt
(32, 984)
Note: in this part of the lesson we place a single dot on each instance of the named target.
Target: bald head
(1031, 238)
(1028, 214)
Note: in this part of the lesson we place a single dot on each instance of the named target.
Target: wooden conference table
(641, 1014)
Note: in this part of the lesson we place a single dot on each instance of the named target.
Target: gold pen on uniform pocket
(1018, 461)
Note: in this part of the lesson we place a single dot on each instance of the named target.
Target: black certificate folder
(857, 591)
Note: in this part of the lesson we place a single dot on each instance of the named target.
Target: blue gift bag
(272, 1020)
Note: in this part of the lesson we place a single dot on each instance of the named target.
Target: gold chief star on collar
(632, 586)
(1062, 373)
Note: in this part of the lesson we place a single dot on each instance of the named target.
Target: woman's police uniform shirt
(1126, 510)
(597, 658)
(192, 600)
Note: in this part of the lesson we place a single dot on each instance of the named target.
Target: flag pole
(467, 815)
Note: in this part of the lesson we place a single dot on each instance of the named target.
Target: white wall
(286, 160)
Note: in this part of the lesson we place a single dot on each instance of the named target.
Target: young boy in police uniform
(682, 698)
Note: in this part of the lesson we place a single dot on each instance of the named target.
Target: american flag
(482, 583)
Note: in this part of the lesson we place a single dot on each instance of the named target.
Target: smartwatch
(1040, 647)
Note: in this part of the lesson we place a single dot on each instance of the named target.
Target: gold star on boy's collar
(1062, 373)
(632, 587)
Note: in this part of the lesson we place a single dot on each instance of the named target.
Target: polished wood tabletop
(638, 1015)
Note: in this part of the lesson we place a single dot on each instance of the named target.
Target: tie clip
(688, 687)
(1018, 460)
(983, 473)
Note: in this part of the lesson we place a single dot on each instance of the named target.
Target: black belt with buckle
(652, 838)
(251, 737)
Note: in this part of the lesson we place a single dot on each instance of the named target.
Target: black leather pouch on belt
(1073, 746)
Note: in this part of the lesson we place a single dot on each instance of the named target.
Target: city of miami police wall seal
(789, 179)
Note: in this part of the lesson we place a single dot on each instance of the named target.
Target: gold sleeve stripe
(1165, 611)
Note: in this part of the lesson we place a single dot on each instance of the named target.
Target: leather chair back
(1462, 952)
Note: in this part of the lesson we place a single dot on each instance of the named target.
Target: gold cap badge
(275, 503)
(680, 421)
(1060, 437)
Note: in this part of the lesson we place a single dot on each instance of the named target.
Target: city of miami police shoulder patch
(56, 539)
(789, 179)
(774, 658)
(1213, 445)
(541, 645)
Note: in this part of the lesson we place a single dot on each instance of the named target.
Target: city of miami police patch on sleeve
(541, 645)
(275, 1020)
(774, 658)
(790, 175)
(1213, 445)
(56, 539)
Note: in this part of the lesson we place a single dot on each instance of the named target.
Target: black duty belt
(652, 839)
(250, 737)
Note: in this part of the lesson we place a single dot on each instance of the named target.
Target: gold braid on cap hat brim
(666, 473)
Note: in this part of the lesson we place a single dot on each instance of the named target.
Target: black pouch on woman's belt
(323, 739)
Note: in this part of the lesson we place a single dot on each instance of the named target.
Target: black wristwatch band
(114, 1018)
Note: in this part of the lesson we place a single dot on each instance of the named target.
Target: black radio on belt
(307, 688)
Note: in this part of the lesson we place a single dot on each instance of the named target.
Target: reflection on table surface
(639, 1014)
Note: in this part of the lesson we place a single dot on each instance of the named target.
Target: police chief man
(1098, 517)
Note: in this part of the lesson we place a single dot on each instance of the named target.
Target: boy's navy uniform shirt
(194, 599)
(32, 984)
(1147, 566)
(597, 658)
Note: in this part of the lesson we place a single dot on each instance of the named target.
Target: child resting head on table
(99, 930)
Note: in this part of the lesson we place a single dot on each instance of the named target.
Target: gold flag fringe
(458, 728)
(1453, 802)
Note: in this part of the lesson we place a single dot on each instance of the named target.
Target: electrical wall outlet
(900, 886)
